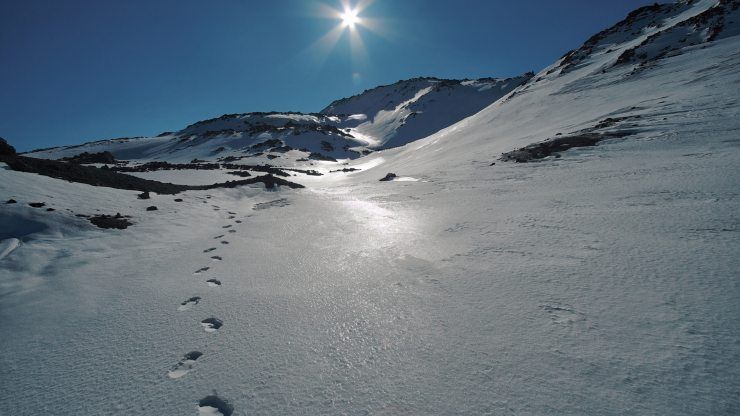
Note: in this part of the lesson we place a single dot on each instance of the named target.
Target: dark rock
(88, 174)
(242, 173)
(388, 177)
(99, 177)
(11, 201)
(155, 166)
(6, 149)
(50, 209)
(319, 156)
(85, 157)
(268, 144)
(37, 204)
(560, 144)
(117, 221)
(144, 195)
(270, 182)
(151, 208)
(178, 199)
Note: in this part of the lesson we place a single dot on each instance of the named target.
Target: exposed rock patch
(85, 157)
(117, 221)
(553, 146)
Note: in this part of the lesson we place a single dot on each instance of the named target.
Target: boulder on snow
(37, 204)
(151, 208)
(117, 221)
(11, 201)
(388, 177)
(144, 195)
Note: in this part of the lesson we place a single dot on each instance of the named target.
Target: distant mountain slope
(383, 117)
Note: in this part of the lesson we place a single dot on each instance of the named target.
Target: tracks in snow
(211, 404)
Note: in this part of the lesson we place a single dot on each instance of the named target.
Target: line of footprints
(209, 405)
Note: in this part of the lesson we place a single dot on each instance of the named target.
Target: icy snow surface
(601, 282)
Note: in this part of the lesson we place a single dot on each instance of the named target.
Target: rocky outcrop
(6, 149)
(85, 157)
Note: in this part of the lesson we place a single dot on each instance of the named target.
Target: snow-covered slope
(601, 93)
(603, 281)
(396, 114)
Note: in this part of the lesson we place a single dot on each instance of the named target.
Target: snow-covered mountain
(380, 118)
(570, 248)
(397, 114)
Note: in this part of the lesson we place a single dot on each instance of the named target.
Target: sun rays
(351, 23)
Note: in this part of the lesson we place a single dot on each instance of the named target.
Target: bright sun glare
(350, 18)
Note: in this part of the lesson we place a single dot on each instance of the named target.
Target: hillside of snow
(397, 114)
(596, 276)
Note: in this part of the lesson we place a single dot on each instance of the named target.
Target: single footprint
(208, 250)
(231, 217)
(185, 305)
(226, 226)
(238, 221)
(232, 231)
(211, 324)
(218, 236)
(561, 314)
(213, 282)
(214, 405)
(201, 270)
(217, 258)
(184, 365)
(232, 213)
(224, 242)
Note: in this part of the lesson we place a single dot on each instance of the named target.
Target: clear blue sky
(80, 70)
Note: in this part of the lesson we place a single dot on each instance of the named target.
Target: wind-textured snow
(602, 281)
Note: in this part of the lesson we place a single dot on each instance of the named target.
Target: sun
(349, 18)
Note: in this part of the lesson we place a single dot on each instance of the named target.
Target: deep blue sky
(80, 70)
